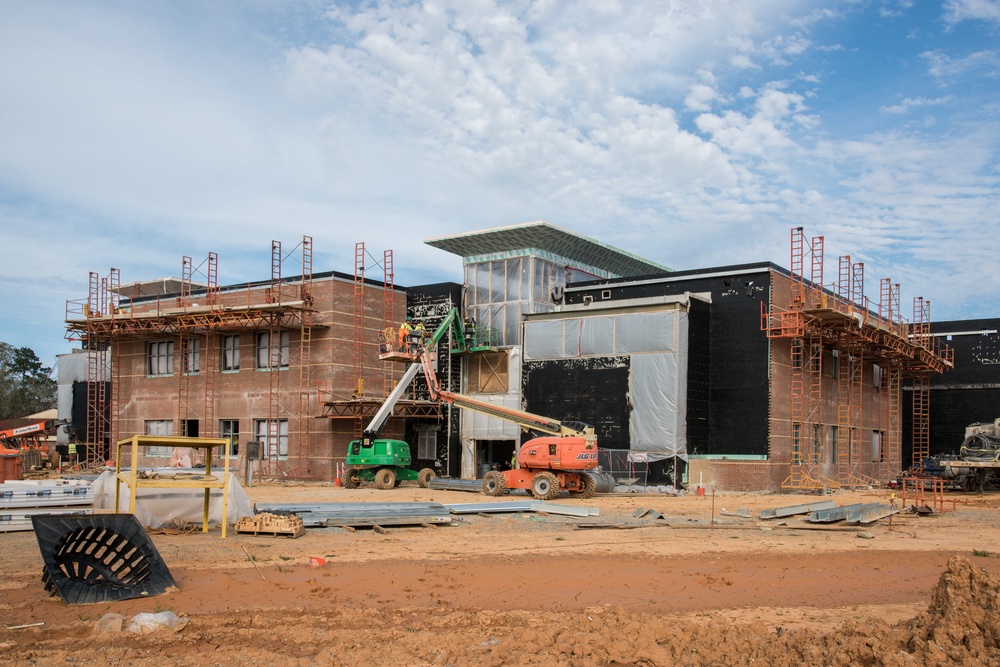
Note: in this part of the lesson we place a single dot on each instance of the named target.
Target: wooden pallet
(275, 525)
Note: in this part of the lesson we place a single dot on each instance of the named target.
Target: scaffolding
(840, 319)
(364, 403)
(103, 325)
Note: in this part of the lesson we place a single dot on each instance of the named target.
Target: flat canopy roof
(547, 238)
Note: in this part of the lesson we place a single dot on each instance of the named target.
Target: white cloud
(946, 68)
(700, 98)
(915, 103)
(957, 11)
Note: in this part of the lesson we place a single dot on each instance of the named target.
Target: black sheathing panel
(78, 417)
(592, 390)
(431, 303)
(699, 376)
(739, 379)
(967, 394)
(737, 349)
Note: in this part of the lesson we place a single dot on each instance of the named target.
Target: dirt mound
(963, 622)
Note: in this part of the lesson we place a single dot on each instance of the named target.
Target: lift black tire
(425, 476)
(494, 483)
(589, 486)
(351, 479)
(544, 486)
(385, 478)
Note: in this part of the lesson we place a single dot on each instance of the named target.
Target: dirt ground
(532, 589)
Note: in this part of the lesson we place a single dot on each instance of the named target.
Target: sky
(693, 133)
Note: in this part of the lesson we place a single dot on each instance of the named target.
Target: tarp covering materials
(156, 507)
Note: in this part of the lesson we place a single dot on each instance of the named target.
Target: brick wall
(737, 475)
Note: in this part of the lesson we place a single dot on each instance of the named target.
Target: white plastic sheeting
(657, 389)
(70, 368)
(603, 335)
(156, 506)
(656, 343)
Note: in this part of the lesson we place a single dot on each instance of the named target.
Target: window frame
(161, 354)
(161, 427)
(230, 357)
(261, 430)
(262, 347)
(191, 357)
(225, 431)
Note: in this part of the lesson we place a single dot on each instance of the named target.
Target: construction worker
(417, 336)
(469, 330)
(71, 451)
(404, 332)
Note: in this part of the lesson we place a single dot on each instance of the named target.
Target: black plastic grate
(100, 558)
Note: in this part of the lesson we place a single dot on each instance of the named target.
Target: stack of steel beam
(22, 499)
(362, 514)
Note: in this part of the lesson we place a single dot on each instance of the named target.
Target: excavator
(555, 461)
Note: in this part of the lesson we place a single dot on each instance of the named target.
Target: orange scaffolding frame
(842, 319)
(101, 323)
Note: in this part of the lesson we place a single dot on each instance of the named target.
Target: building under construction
(251, 362)
(749, 377)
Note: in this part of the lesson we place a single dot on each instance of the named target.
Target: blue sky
(694, 133)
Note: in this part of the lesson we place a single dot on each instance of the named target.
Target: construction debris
(271, 524)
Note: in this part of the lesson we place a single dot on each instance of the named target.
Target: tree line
(26, 386)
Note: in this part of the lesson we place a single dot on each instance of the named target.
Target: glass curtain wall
(499, 291)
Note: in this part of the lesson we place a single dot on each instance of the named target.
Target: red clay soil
(523, 590)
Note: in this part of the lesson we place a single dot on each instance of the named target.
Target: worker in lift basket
(417, 336)
(469, 329)
(404, 332)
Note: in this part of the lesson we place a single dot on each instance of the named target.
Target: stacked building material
(271, 524)
(22, 499)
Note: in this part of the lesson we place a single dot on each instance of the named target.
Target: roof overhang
(546, 240)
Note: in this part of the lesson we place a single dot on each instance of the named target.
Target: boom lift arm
(378, 421)
(526, 420)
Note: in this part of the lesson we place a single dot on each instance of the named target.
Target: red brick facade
(244, 395)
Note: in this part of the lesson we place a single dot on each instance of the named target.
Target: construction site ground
(535, 589)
